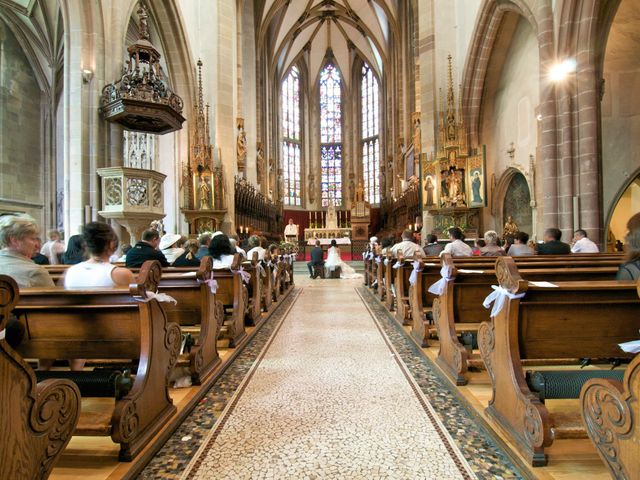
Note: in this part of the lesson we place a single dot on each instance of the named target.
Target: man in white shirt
(457, 248)
(581, 244)
(407, 246)
(54, 248)
(234, 243)
(291, 232)
(254, 243)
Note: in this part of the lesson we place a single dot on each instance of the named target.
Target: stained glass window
(330, 136)
(370, 135)
(291, 147)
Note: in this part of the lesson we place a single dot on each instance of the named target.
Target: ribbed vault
(288, 28)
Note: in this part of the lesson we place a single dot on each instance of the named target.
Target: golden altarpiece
(203, 186)
(453, 181)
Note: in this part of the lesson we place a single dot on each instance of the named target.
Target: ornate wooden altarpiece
(453, 182)
(203, 185)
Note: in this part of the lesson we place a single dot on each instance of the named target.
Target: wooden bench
(197, 312)
(611, 413)
(267, 282)
(389, 296)
(233, 295)
(254, 287)
(402, 287)
(109, 324)
(582, 319)
(459, 308)
(38, 419)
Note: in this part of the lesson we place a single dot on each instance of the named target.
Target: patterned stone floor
(331, 396)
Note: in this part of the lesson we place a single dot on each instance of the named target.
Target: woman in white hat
(169, 248)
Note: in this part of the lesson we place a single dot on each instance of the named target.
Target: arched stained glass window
(291, 138)
(330, 136)
(370, 135)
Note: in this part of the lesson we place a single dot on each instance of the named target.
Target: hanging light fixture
(141, 99)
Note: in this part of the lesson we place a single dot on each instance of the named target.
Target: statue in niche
(359, 193)
(429, 188)
(260, 162)
(476, 184)
(241, 144)
(452, 193)
(204, 192)
(510, 227)
(352, 190)
(311, 179)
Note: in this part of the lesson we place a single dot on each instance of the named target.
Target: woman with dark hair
(630, 270)
(97, 271)
(221, 251)
(76, 251)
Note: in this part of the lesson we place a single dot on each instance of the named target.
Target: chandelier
(141, 99)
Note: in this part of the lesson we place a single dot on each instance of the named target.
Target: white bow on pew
(160, 297)
(2, 334)
(212, 284)
(498, 297)
(413, 278)
(438, 287)
(246, 276)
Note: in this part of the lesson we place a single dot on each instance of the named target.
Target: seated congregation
(532, 337)
(94, 346)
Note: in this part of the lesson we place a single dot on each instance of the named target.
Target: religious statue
(204, 192)
(260, 162)
(510, 228)
(476, 184)
(429, 188)
(241, 144)
(359, 193)
(311, 178)
(352, 190)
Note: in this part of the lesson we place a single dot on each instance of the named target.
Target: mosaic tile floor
(331, 397)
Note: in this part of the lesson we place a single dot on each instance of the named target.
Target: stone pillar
(225, 101)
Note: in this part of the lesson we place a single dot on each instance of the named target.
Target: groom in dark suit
(316, 259)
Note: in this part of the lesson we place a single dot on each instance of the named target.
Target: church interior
(320, 239)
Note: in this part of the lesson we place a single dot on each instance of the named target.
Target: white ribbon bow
(413, 278)
(438, 287)
(160, 297)
(365, 255)
(211, 283)
(498, 297)
(386, 262)
(246, 276)
(398, 264)
(378, 260)
(3, 333)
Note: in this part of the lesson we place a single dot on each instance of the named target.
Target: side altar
(330, 229)
(453, 180)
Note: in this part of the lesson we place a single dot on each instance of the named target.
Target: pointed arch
(370, 132)
(291, 128)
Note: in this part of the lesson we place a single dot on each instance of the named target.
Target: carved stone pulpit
(133, 197)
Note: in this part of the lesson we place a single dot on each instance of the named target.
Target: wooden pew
(197, 312)
(254, 310)
(109, 324)
(379, 271)
(401, 282)
(267, 282)
(611, 413)
(573, 320)
(38, 419)
(459, 308)
(234, 297)
(389, 297)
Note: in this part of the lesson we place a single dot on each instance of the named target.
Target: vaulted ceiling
(288, 27)
(37, 24)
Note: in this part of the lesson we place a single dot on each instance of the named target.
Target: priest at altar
(291, 232)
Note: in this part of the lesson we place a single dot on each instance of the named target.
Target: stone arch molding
(632, 178)
(539, 15)
(502, 187)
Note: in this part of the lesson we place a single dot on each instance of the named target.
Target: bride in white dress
(334, 260)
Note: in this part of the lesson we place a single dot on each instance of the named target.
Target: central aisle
(328, 397)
